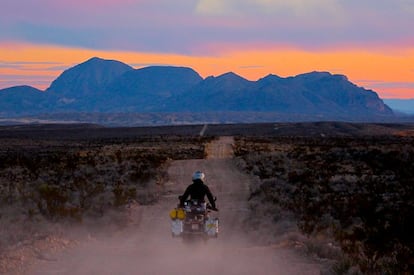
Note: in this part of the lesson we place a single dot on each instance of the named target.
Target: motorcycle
(194, 219)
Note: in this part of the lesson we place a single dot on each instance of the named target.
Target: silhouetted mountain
(98, 86)
(88, 78)
(338, 95)
(150, 88)
(283, 94)
(227, 92)
(316, 93)
(21, 100)
(84, 86)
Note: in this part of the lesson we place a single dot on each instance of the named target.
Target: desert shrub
(51, 200)
(344, 266)
(357, 190)
(86, 191)
(121, 194)
(48, 180)
(59, 178)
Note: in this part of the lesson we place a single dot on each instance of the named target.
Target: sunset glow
(250, 38)
(389, 75)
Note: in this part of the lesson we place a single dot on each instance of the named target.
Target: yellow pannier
(173, 214)
(177, 213)
(180, 214)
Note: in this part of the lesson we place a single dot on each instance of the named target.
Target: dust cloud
(145, 245)
(154, 251)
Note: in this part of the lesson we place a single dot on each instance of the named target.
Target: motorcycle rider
(198, 190)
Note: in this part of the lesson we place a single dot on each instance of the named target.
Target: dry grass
(47, 181)
(357, 192)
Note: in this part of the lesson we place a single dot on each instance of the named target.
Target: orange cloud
(362, 67)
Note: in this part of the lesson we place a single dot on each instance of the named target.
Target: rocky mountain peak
(99, 85)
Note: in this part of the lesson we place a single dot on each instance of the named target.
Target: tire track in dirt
(148, 248)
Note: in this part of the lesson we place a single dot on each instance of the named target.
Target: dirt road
(148, 248)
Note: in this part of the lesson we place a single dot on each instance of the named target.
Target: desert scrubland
(353, 196)
(47, 184)
(330, 197)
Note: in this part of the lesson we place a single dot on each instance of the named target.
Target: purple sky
(212, 28)
(190, 26)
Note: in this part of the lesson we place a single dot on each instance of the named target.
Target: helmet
(198, 175)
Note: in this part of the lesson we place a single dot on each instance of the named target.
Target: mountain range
(109, 86)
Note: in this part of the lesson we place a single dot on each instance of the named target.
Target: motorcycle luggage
(177, 213)
(176, 227)
(212, 227)
(180, 214)
(173, 214)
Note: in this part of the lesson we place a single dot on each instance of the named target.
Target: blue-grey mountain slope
(150, 88)
(337, 95)
(21, 100)
(84, 86)
(108, 86)
(227, 92)
(316, 93)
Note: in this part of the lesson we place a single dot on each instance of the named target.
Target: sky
(369, 41)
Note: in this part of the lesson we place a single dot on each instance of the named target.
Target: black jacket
(198, 190)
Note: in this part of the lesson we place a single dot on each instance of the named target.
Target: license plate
(194, 226)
